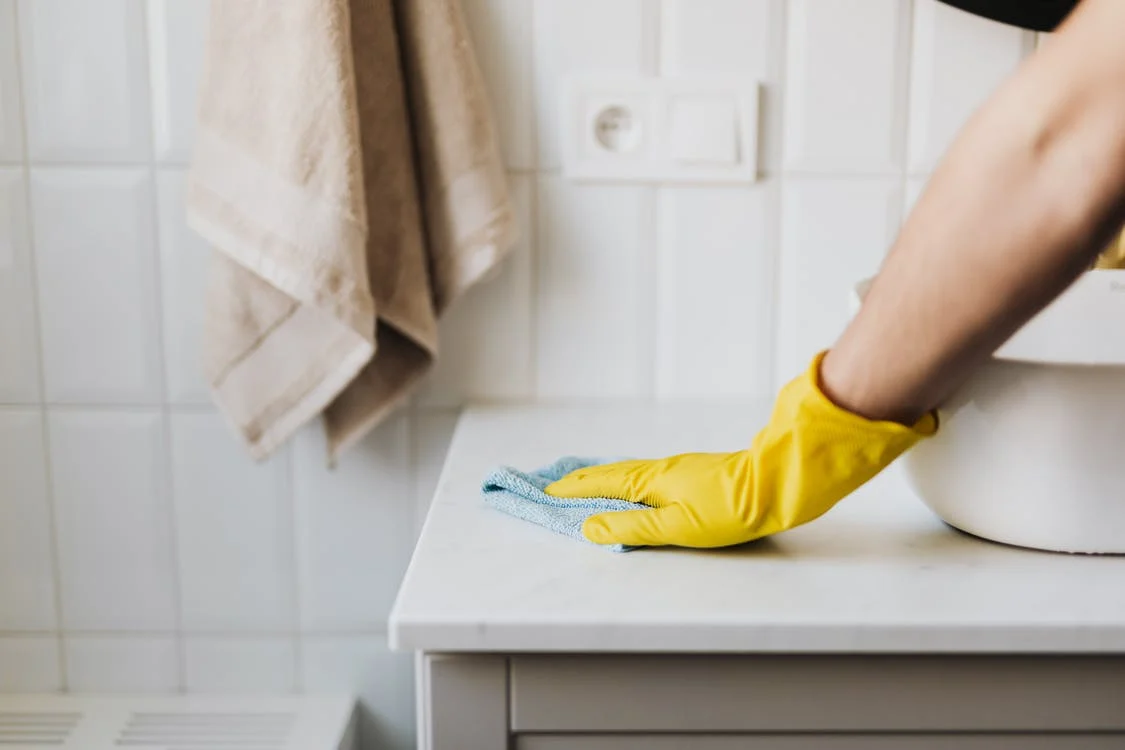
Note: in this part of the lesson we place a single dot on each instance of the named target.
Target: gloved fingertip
(566, 487)
(595, 529)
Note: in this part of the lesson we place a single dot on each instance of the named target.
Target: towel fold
(521, 494)
(347, 174)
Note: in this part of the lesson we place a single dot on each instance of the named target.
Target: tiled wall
(141, 550)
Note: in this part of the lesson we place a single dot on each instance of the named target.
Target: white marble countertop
(879, 573)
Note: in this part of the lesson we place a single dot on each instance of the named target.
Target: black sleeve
(1039, 15)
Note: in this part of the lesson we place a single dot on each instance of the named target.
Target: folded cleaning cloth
(521, 494)
(347, 173)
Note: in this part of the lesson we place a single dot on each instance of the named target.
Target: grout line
(110, 407)
(778, 66)
(291, 496)
(649, 236)
(37, 317)
(535, 177)
(165, 413)
(96, 164)
(902, 115)
(648, 276)
(651, 46)
(249, 635)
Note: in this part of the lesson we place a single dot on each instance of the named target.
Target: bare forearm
(1031, 191)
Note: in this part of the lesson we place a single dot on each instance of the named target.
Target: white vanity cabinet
(876, 627)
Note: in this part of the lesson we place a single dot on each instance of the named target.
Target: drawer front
(820, 742)
(816, 694)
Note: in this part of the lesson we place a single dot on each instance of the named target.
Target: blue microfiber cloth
(521, 494)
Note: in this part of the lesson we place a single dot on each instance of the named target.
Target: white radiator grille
(180, 731)
(36, 728)
(39, 722)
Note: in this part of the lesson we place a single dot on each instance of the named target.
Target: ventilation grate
(179, 731)
(37, 728)
(186, 722)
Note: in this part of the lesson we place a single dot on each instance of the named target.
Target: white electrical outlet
(635, 129)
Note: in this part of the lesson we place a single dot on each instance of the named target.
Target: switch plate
(668, 130)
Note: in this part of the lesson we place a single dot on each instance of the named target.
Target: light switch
(703, 129)
(664, 130)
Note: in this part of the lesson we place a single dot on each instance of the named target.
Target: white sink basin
(1031, 451)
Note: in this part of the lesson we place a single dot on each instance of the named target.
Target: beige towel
(347, 173)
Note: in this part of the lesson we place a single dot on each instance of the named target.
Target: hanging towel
(347, 174)
(521, 494)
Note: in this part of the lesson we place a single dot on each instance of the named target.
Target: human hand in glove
(810, 456)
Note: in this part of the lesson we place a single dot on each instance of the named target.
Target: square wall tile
(717, 36)
(715, 292)
(604, 36)
(184, 260)
(501, 32)
(352, 527)
(240, 665)
(27, 569)
(136, 664)
(11, 118)
(486, 350)
(382, 680)
(234, 528)
(914, 188)
(19, 361)
(177, 31)
(29, 665)
(594, 318)
(845, 95)
(740, 38)
(834, 233)
(433, 432)
(109, 473)
(85, 82)
(96, 265)
(959, 60)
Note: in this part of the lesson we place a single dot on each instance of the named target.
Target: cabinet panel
(818, 694)
(820, 742)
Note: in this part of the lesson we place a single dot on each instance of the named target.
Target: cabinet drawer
(817, 694)
(821, 742)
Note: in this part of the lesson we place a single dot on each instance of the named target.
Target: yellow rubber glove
(811, 455)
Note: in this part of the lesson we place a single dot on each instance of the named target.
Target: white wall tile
(19, 361)
(27, 571)
(95, 261)
(352, 549)
(234, 530)
(136, 664)
(184, 258)
(845, 95)
(607, 36)
(11, 125)
(85, 79)
(29, 665)
(486, 337)
(834, 233)
(914, 187)
(240, 665)
(716, 36)
(715, 329)
(501, 32)
(593, 324)
(382, 680)
(432, 434)
(743, 38)
(959, 59)
(177, 32)
(109, 474)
